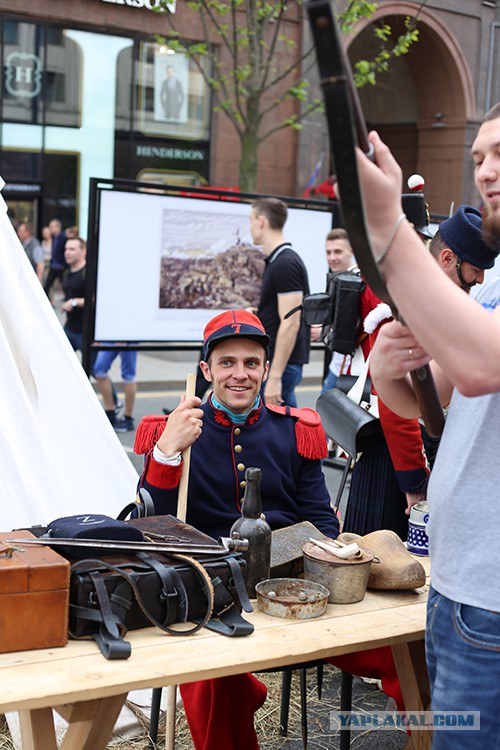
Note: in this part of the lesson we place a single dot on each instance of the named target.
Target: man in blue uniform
(230, 432)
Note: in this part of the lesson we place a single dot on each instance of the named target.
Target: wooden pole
(171, 707)
(186, 456)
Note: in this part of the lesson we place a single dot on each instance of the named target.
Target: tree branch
(236, 57)
(297, 63)
(293, 121)
(272, 47)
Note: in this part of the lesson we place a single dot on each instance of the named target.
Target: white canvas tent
(59, 454)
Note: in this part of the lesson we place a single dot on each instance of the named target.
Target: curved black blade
(347, 129)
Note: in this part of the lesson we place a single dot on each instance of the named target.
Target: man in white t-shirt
(460, 339)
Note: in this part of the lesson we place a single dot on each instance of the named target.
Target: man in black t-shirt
(73, 282)
(284, 285)
(58, 259)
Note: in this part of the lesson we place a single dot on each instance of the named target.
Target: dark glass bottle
(253, 526)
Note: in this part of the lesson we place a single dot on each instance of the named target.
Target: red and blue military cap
(310, 436)
(232, 324)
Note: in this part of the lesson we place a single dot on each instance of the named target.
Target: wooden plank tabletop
(79, 672)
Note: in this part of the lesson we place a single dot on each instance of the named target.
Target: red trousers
(221, 712)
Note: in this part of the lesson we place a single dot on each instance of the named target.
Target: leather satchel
(347, 423)
(121, 592)
(346, 382)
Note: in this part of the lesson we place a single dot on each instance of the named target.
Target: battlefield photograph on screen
(184, 258)
(206, 263)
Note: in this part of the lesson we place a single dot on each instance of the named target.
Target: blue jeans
(128, 364)
(329, 382)
(292, 375)
(75, 339)
(463, 660)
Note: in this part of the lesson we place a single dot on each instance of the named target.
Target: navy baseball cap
(463, 233)
(232, 324)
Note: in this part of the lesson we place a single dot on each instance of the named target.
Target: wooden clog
(397, 568)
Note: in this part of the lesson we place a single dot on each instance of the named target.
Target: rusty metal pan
(292, 598)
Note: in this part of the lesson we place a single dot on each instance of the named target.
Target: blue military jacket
(293, 487)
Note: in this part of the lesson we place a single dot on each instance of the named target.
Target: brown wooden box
(34, 595)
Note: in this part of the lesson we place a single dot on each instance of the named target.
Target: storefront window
(41, 76)
(76, 104)
(31, 175)
(23, 54)
(10, 32)
(60, 188)
(62, 80)
(21, 165)
(152, 153)
(173, 98)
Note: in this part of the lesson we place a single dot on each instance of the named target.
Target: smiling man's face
(236, 369)
(339, 255)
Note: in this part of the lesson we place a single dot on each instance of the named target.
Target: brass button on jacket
(238, 448)
(241, 467)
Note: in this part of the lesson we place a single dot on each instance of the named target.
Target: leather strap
(344, 131)
(173, 590)
(109, 618)
(239, 584)
(110, 637)
(347, 130)
(226, 619)
(230, 623)
(143, 506)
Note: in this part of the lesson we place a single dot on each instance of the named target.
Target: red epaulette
(149, 431)
(309, 432)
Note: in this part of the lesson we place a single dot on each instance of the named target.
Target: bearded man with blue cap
(460, 249)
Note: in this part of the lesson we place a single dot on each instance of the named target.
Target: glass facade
(77, 104)
(41, 76)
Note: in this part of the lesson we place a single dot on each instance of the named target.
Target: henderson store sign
(147, 4)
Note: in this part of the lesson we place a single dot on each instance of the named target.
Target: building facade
(429, 104)
(89, 91)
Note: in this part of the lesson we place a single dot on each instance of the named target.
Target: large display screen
(165, 264)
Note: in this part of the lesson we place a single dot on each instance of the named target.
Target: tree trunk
(249, 166)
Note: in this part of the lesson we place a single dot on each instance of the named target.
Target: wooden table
(89, 691)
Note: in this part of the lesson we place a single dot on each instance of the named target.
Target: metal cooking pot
(347, 578)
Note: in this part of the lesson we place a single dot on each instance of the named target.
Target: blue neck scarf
(236, 418)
